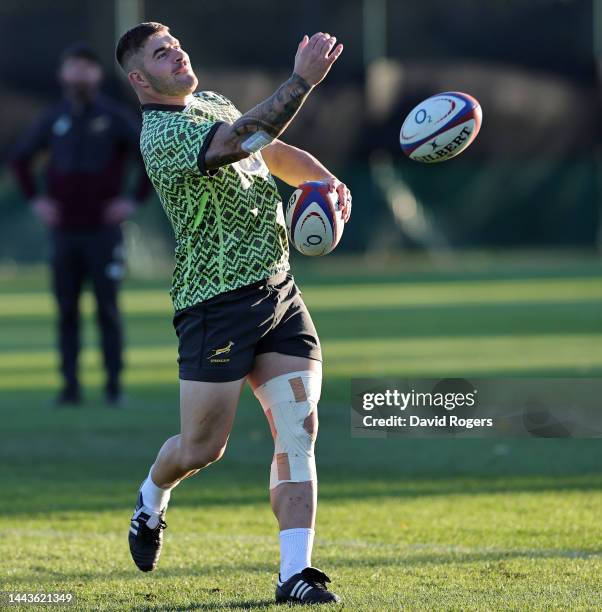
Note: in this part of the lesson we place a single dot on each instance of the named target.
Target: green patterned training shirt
(229, 224)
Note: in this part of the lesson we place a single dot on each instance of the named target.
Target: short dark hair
(133, 40)
(79, 50)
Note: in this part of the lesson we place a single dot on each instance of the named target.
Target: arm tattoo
(261, 124)
(274, 114)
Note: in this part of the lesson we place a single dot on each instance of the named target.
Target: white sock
(155, 498)
(295, 551)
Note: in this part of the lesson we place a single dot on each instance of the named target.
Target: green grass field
(402, 524)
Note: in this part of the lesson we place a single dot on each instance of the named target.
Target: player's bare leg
(207, 413)
(288, 388)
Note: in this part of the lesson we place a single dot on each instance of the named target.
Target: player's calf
(196, 456)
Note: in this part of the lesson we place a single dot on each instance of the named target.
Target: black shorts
(219, 338)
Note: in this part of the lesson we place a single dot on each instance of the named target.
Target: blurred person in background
(89, 141)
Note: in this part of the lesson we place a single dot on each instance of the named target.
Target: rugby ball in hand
(313, 219)
(440, 127)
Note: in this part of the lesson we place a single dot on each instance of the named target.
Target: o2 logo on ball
(421, 117)
(440, 127)
(313, 240)
(313, 219)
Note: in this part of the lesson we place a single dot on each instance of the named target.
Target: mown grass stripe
(357, 296)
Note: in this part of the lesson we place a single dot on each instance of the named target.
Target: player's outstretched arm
(292, 165)
(268, 120)
(295, 166)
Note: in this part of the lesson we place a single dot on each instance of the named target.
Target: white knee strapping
(288, 401)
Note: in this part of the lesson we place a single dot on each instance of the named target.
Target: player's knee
(216, 452)
(198, 456)
(301, 432)
(290, 403)
(310, 424)
(190, 459)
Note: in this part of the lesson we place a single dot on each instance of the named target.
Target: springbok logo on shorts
(218, 352)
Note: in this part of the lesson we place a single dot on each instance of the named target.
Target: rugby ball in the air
(313, 219)
(440, 127)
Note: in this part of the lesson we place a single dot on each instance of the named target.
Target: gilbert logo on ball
(440, 127)
(313, 219)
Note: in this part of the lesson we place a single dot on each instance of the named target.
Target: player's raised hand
(315, 56)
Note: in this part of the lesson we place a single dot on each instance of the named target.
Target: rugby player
(239, 316)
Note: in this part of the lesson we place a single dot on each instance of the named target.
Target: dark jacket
(88, 153)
